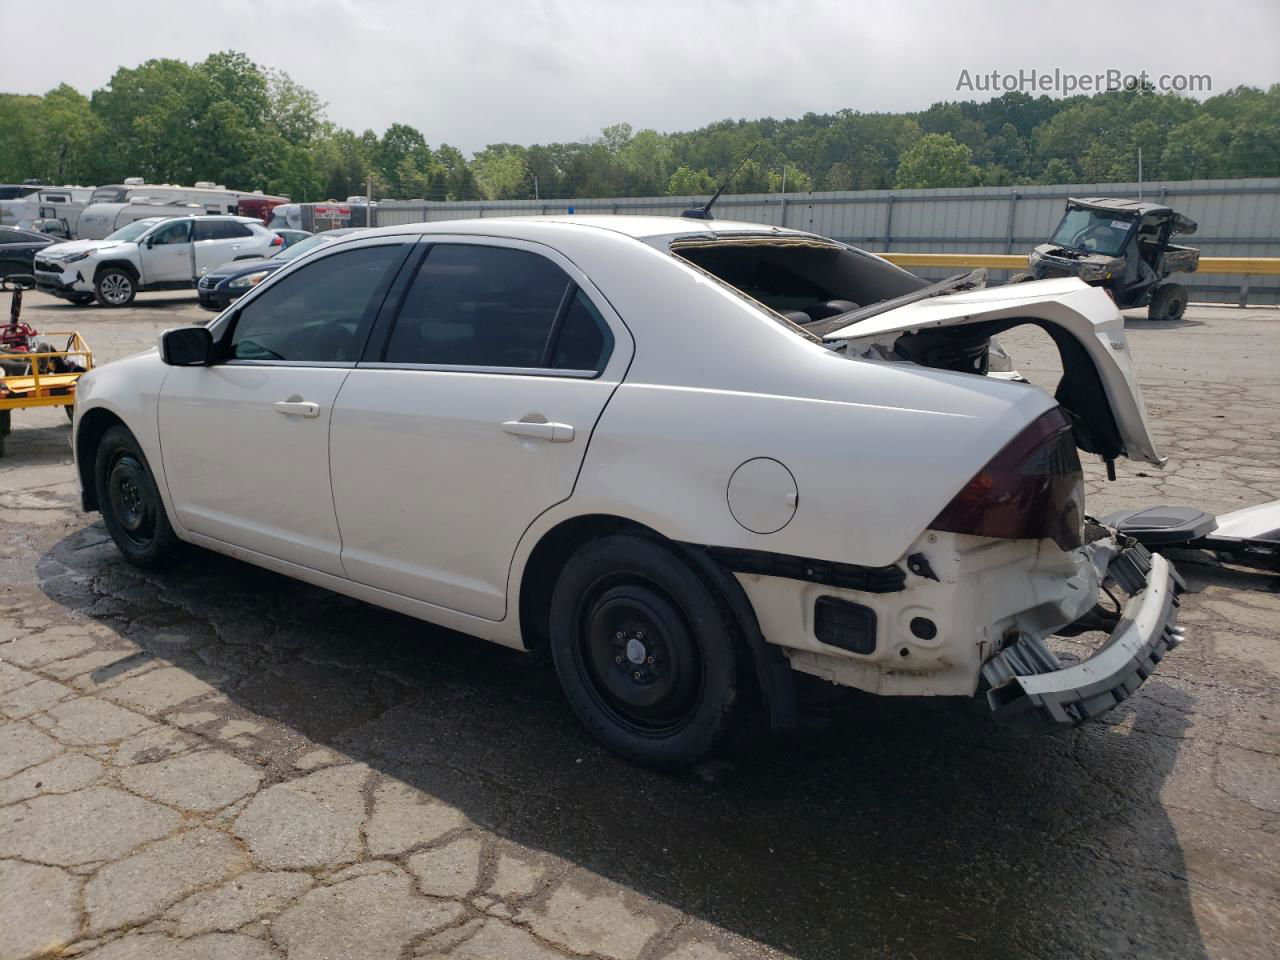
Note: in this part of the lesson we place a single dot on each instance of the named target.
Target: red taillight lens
(1032, 489)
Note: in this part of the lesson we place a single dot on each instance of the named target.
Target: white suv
(158, 253)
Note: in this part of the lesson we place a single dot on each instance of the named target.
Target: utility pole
(535, 187)
(1139, 173)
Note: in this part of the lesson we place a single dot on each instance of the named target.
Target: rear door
(166, 253)
(221, 241)
(469, 417)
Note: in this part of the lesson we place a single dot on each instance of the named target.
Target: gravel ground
(215, 762)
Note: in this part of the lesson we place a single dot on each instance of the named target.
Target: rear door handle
(298, 408)
(555, 432)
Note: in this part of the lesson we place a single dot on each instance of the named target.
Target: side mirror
(186, 346)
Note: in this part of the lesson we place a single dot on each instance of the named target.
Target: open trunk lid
(1099, 389)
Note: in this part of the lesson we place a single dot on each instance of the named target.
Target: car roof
(1120, 205)
(639, 227)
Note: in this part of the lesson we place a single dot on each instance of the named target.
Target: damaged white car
(690, 457)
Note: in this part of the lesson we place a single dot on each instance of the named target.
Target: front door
(246, 439)
(471, 421)
(166, 253)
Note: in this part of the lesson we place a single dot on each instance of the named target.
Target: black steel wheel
(644, 652)
(130, 502)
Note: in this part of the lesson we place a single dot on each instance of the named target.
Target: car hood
(57, 251)
(238, 268)
(1099, 387)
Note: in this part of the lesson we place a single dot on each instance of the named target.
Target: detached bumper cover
(1031, 692)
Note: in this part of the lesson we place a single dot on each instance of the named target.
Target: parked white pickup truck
(156, 253)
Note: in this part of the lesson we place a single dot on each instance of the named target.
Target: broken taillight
(1031, 490)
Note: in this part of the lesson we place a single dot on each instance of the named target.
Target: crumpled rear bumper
(1031, 692)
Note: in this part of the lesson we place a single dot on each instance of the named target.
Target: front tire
(115, 287)
(1169, 302)
(645, 652)
(130, 502)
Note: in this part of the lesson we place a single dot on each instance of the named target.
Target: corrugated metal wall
(1238, 218)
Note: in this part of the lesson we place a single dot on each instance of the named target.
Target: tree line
(229, 120)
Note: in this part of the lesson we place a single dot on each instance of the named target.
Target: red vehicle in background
(259, 205)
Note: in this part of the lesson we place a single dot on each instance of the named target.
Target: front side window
(173, 233)
(317, 314)
(479, 306)
(131, 231)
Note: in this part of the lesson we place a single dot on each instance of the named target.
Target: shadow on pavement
(1142, 323)
(888, 828)
(66, 310)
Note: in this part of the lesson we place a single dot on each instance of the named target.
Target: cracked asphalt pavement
(213, 762)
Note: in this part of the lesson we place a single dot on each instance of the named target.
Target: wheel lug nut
(648, 660)
(617, 659)
(636, 675)
(621, 635)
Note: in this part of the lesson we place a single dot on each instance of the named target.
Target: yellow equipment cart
(36, 370)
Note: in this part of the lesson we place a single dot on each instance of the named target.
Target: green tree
(502, 174)
(690, 183)
(795, 181)
(936, 160)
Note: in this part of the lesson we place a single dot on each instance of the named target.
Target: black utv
(1122, 246)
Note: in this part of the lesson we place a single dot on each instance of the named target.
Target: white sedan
(690, 457)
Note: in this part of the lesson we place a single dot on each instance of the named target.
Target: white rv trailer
(98, 220)
(214, 197)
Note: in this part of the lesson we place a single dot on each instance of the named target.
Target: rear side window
(220, 230)
(584, 341)
(478, 306)
(320, 313)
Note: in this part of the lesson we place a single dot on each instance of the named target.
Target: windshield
(1093, 231)
(133, 231)
(302, 246)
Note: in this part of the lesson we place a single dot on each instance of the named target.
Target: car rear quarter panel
(876, 449)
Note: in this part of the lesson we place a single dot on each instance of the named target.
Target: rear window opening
(805, 280)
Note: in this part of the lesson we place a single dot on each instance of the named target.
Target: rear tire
(115, 287)
(645, 652)
(1169, 302)
(130, 501)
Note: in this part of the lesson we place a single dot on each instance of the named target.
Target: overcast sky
(471, 72)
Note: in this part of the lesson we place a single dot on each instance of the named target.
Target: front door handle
(555, 432)
(297, 407)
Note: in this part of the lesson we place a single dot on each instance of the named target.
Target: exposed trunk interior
(805, 280)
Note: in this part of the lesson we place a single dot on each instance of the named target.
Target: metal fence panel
(1236, 218)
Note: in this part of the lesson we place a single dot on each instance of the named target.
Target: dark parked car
(18, 249)
(290, 237)
(220, 286)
